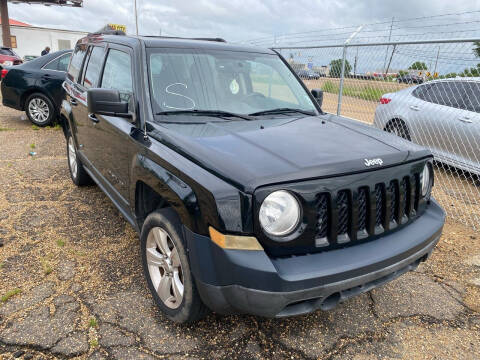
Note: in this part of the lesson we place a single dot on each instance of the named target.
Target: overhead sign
(118, 27)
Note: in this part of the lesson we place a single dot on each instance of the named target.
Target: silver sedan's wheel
(38, 110)
(72, 157)
(164, 267)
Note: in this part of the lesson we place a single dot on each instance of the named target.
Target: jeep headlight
(426, 179)
(280, 213)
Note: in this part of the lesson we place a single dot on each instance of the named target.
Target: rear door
(53, 75)
(111, 134)
(469, 125)
(87, 79)
(74, 97)
(437, 110)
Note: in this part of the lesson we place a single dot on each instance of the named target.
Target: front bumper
(238, 281)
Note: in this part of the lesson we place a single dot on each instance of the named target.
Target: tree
(418, 65)
(476, 49)
(451, 75)
(336, 68)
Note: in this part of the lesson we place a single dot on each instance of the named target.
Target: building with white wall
(31, 40)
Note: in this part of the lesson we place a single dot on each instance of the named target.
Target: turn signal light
(234, 241)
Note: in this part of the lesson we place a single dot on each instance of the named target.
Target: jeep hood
(250, 154)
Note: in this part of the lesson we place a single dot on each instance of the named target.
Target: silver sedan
(442, 115)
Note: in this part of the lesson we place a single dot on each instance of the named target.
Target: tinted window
(76, 63)
(63, 62)
(117, 73)
(451, 93)
(472, 90)
(59, 64)
(93, 67)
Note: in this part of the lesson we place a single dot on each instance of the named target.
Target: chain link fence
(425, 91)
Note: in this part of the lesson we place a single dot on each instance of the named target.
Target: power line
(370, 24)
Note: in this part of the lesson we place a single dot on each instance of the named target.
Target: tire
(399, 128)
(161, 231)
(39, 109)
(77, 172)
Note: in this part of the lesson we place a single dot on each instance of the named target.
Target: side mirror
(106, 102)
(318, 95)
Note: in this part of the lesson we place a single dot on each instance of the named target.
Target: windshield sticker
(167, 90)
(234, 87)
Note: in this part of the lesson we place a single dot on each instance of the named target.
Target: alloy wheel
(164, 267)
(38, 110)
(72, 157)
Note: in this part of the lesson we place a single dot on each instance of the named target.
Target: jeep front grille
(357, 214)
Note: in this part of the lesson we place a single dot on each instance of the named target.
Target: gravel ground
(70, 267)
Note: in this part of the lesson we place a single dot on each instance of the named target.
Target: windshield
(241, 83)
(6, 51)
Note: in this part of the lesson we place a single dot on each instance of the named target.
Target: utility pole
(7, 39)
(386, 53)
(136, 18)
(436, 61)
(390, 61)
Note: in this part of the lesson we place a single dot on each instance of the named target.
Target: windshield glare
(236, 82)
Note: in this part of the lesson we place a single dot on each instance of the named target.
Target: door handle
(93, 118)
(465, 119)
(73, 102)
(414, 107)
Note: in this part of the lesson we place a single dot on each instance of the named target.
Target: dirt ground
(72, 286)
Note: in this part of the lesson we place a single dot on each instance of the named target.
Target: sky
(233, 20)
(287, 22)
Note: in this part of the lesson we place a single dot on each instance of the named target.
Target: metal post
(342, 74)
(136, 18)
(7, 39)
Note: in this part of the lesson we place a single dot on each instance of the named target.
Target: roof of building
(15, 22)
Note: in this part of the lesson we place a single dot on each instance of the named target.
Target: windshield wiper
(282, 111)
(213, 113)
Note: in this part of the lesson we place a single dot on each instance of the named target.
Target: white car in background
(442, 115)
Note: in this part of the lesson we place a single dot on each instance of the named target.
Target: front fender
(173, 190)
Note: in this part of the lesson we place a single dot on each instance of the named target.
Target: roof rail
(185, 38)
(210, 39)
(107, 32)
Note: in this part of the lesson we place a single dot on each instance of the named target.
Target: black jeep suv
(247, 197)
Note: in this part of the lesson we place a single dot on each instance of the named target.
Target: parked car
(8, 57)
(247, 197)
(29, 57)
(442, 115)
(410, 79)
(308, 75)
(36, 86)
